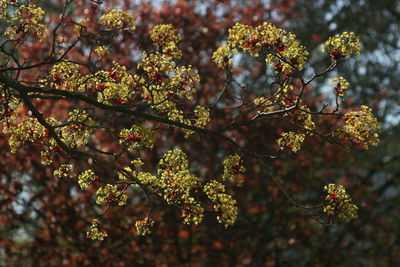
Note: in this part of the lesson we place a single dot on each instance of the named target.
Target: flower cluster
(111, 194)
(284, 51)
(233, 170)
(224, 205)
(113, 87)
(94, 233)
(178, 116)
(143, 227)
(3, 8)
(202, 116)
(339, 85)
(65, 76)
(87, 178)
(183, 82)
(222, 56)
(165, 84)
(178, 185)
(101, 50)
(78, 128)
(342, 45)
(157, 68)
(64, 171)
(291, 140)
(26, 19)
(361, 127)
(138, 136)
(28, 131)
(149, 179)
(137, 162)
(166, 37)
(9, 106)
(118, 19)
(339, 202)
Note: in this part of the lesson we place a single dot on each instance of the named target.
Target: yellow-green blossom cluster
(157, 67)
(111, 194)
(177, 179)
(113, 87)
(94, 233)
(149, 179)
(164, 84)
(340, 84)
(26, 19)
(202, 116)
(192, 212)
(179, 184)
(178, 116)
(339, 202)
(3, 8)
(101, 50)
(222, 56)
(66, 76)
(183, 82)
(224, 204)
(291, 140)
(137, 162)
(118, 19)
(138, 136)
(86, 178)
(167, 38)
(64, 171)
(233, 170)
(284, 51)
(78, 128)
(27, 131)
(362, 127)
(342, 45)
(143, 227)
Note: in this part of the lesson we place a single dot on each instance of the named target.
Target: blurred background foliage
(43, 220)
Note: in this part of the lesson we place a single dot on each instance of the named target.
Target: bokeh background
(43, 220)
